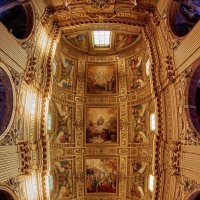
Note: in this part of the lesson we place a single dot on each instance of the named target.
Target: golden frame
(105, 172)
(101, 125)
(101, 78)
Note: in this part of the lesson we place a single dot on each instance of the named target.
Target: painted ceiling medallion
(100, 4)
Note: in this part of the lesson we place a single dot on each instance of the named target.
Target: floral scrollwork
(81, 76)
(100, 4)
(78, 124)
(123, 124)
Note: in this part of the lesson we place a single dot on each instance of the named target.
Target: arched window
(148, 65)
(151, 182)
(50, 180)
(5, 195)
(194, 99)
(17, 17)
(152, 121)
(49, 122)
(183, 15)
(6, 100)
(195, 196)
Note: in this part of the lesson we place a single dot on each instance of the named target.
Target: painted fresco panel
(101, 125)
(138, 73)
(101, 176)
(63, 132)
(65, 68)
(65, 177)
(137, 179)
(80, 40)
(124, 40)
(101, 79)
(139, 129)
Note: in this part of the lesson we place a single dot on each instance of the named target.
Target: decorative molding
(10, 137)
(13, 183)
(100, 4)
(25, 151)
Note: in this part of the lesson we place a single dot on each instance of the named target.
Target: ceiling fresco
(84, 42)
(101, 147)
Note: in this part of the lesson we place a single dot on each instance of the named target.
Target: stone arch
(17, 17)
(193, 95)
(193, 195)
(7, 100)
(7, 193)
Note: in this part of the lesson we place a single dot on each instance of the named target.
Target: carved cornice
(45, 93)
(30, 73)
(25, 151)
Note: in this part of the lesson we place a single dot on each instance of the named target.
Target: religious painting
(139, 75)
(65, 179)
(64, 133)
(183, 16)
(136, 185)
(101, 125)
(101, 79)
(65, 74)
(80, 40)
(138, 128)
(101, 175)
(123, 40)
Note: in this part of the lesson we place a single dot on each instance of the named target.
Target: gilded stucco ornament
(10, 138)
(25, 150)
(13, 183)
(100, 4)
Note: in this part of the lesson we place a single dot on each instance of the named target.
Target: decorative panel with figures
(101, 78)
(65, 68)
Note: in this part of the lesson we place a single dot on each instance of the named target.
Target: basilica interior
(99, 100)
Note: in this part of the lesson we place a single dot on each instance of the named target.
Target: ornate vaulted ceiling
(101, 140)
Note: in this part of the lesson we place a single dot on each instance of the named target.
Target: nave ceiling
(101, 140)
(101, 122)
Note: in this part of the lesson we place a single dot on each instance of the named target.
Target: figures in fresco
(66, 75)
(102, 130)
(101, 84)
(65, 179)
(79, 40)
(101, 79)
(138, 179)
(140, 128)
(137, 72)
(124, 40)
(64, 123)
(101, 176)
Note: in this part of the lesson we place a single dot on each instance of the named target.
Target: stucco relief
(187, 131)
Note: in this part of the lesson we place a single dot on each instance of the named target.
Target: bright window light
(148, 64)
(50, 181)
(152, 121)
(151, 182)
(49, 122)
(101, 38)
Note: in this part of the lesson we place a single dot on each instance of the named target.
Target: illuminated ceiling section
(101, 39)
